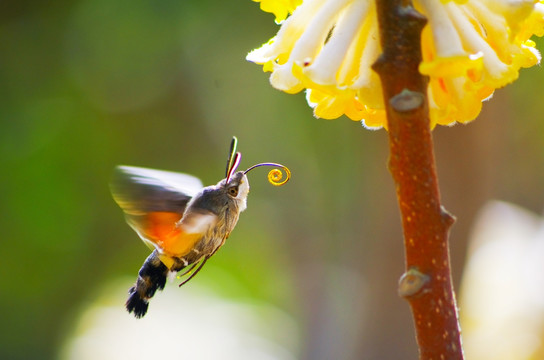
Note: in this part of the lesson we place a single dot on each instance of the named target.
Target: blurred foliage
(87, 85)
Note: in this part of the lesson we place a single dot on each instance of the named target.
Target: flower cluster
(469, 48)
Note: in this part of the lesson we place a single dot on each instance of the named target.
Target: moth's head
(236, 187)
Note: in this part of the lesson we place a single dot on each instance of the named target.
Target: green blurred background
(86, 85)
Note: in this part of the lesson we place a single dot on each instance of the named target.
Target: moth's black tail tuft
(136, 304)
(152, 277)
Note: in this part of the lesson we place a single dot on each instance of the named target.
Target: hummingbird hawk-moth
(183, 222)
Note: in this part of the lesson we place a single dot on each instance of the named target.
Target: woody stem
(426, 284)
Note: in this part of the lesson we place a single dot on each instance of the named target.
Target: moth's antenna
(232, 153)
(234, 166)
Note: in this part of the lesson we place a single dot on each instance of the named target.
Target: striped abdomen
(151, 277)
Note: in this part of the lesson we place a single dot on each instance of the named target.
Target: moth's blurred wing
(183, 239)
(153, 200)
(140, 190)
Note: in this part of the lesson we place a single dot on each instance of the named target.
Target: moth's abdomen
(152, 277)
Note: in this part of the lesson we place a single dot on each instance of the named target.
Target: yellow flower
(469, 48)
(280, 8)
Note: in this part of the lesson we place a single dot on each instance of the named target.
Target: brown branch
(426, 284)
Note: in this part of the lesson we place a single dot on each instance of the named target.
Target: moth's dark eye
(233, 191)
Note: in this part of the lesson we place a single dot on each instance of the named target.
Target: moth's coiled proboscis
(275, 176)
